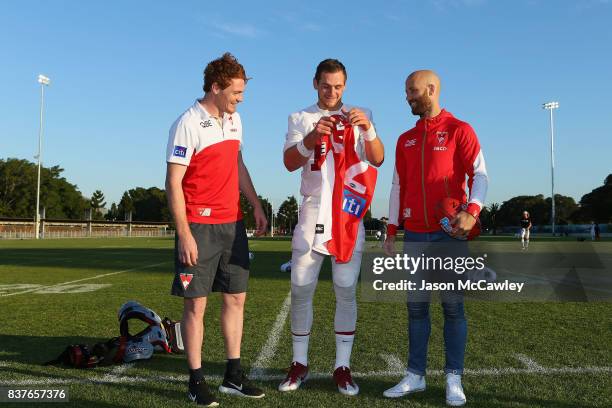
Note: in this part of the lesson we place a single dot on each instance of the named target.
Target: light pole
(551, 106)
(43, 81)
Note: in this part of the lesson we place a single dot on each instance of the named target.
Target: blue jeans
(419, 322)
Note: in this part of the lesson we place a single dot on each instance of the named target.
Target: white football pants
(305, 268)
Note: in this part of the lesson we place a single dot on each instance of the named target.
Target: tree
(145, 204)
(97, 202)
(248, 214)
(58, 197)
(267, 208)
(287, 215)
(510, 211)
(126, 206)
(17, 188)
(493, 210)
(597, 205)
(565, 209)
(539, 209)
(113, 213)
(370, 223)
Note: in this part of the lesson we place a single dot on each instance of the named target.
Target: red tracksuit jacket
(431, 162)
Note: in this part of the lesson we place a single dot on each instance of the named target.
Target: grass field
(518, 355)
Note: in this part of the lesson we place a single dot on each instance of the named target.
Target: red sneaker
(298, 374)
(344, 381)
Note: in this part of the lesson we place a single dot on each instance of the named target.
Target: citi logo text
(353, 204)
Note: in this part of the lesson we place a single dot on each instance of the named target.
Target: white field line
(393, 362)
(483, 372)
(116, 246)
(117, 372)
(269, 349)
(529, 363)
(85, 279)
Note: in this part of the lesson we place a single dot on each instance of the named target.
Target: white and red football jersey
(303, 122)
(347, 189)
(209, 147)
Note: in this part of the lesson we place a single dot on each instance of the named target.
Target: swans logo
(353, 204)
(442, 136)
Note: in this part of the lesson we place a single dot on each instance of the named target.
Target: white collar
(328, 112)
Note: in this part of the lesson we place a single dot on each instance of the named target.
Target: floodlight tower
(550, 106)
(43, 81)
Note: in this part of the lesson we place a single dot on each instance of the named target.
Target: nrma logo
(353, 204)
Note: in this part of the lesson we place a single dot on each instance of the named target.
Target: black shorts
(223, 261)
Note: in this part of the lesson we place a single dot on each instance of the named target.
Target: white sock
(527, 244)
(300, 348)
(344, 347)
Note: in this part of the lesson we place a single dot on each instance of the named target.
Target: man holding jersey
(303, 149)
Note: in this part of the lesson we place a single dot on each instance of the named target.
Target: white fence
(25, 229)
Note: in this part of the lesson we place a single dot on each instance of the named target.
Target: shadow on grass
(266, 264)
(35, 350)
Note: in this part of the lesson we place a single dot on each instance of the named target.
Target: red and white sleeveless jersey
(209, 148)
(347, 189)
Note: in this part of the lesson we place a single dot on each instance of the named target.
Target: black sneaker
(201, 395)
(240, 385)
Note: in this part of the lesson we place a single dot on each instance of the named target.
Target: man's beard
(422, 105)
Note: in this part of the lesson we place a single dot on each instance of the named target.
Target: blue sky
(123, 71)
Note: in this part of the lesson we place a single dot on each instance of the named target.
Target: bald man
(431, 163)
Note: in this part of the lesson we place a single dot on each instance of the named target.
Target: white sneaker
(409, 384)
(454, 391)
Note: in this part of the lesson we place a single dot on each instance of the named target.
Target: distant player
(525, 228)
(383, 231)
